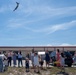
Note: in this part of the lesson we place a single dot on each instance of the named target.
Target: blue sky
(38, 23)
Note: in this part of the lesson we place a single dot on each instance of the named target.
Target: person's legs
(10, 60)
(34, 68)
(21, 62)
(18, 62)
(41, 64)
(38, 70)
(46, 63)
(14, 63)
(32, 62)
(27, 67)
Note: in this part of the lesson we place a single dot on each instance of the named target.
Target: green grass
(49, 71)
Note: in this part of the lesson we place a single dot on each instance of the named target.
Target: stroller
(3, 64)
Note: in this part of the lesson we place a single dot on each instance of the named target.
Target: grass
(49, 71)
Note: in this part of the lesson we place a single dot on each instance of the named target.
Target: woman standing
(14, 59)
(58, 57)
(36, 63)
(20, 59)
(47, 58)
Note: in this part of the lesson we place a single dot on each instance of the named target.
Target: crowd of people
(57, 57)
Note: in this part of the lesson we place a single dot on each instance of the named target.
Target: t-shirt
(19, 55)
(3, 56)
(36, 60)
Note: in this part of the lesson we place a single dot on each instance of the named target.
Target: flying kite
(16, 6)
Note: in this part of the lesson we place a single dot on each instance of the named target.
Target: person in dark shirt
(27, 64)
(47, 58)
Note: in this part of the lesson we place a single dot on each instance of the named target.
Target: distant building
(28, 49)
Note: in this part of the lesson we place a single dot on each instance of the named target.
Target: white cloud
(63, 26)
(41, 12)
(49, 45)
(54, 28)
(56, 44)
(63, 44)
(47, 11)
(67, 44)
(18, 23)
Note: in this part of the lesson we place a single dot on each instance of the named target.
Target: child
(36, 63)
(27, 64)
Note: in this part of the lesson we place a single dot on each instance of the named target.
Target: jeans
(20, 61)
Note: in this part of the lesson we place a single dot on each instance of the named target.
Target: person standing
(58, 58)
(47, 58)
(62, 62)
(9, 58)
(14, 57)
(20, 59)
(36, 63)
(53, 56)
(27, 64)
(32, 58)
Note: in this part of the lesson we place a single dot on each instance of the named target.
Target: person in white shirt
(4, 59)
(3, 56)
(62, 61)
(36, 63)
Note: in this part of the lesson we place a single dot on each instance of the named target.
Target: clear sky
(38, 23)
